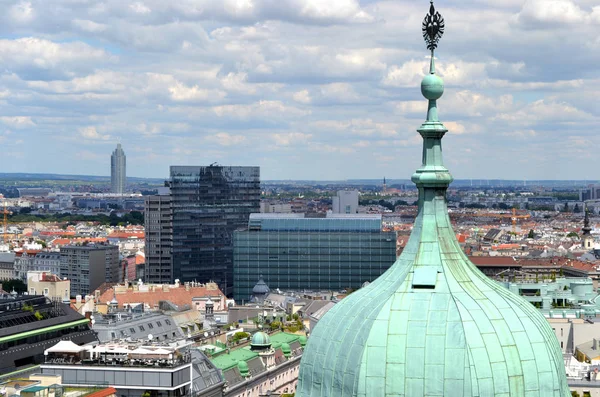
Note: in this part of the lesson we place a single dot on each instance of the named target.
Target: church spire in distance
(432, 324)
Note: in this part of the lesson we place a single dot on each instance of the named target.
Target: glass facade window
(330, 254)
(208, 205)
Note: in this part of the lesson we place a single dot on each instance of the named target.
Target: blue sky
(306, 89)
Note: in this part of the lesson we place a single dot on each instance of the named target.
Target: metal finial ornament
(433, 27)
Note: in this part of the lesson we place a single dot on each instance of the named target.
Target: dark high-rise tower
(208, 204)
(158, 225)
(117, 170)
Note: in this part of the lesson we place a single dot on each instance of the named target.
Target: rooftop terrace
(122, 354)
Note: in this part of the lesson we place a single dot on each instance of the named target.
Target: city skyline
(304, 90)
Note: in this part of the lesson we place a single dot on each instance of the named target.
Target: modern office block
(159, 238)
(88, 266)
(291, 252)
(118, 170)
(208, 204)
(346, 202)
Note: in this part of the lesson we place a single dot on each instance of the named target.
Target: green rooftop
(283, 337)
(230, 360)
(225, 361)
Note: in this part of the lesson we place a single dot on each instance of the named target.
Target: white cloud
(25, 55)
(291, 138)
(139, 8)
(302, 96)
(181, 92)
(358, 127)
(89, 26)
(458, 72)
(225, 139)
(334, 10)
(91, 133)
(269, 109)
(339, 92)
(237, 82)
(550, 12)
(22, 12)
(17, 121)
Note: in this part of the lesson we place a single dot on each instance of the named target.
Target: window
(150, 325)
(132, 330)
(159, 323)
(142, 329)
(167, 322)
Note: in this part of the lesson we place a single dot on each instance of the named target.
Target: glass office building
(208, 204)
(291, 252)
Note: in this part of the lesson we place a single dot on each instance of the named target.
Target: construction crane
(514, 216)
(514, 220)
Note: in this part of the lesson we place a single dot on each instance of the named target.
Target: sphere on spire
(432, 87)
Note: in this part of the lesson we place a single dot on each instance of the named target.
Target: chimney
(78, 299)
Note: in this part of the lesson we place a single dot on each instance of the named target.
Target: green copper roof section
(284, 337)
(433, 324)
(231, 359)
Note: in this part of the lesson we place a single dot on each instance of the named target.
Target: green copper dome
(260, 340)
(303, 340)
(433, 324)
(243, 368)
(286, 349)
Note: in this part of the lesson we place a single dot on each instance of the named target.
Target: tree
(239, 336)
(400, 202)
(275, 325)
(576, 209)
(566, 208)
(16, 284)
(531, 234)
(573, 235)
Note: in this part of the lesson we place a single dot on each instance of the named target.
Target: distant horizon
(476, 181)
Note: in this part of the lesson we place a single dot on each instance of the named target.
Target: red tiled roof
(179, 296)
(109, 391)
(57, 233)
(124, 235)
(493, 261)
(68, 241)
(506, 247)
(49, 277)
